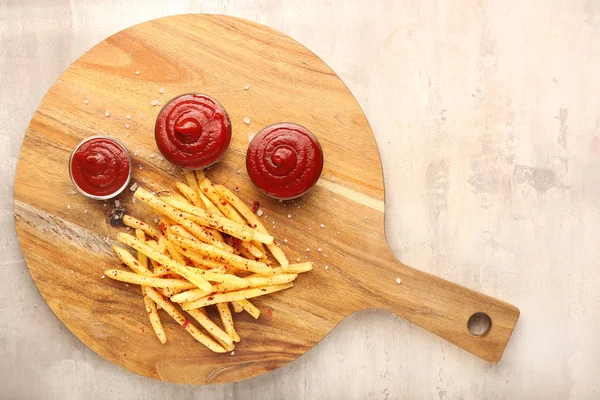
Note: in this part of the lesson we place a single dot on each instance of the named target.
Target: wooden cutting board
(65, 237)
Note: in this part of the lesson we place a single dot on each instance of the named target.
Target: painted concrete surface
(487, 116)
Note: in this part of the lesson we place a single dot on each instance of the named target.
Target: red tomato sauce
(100, 166)
(193, 131)
(284, 160)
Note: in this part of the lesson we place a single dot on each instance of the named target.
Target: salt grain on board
(238, 171)
(154, 102)
(161, 90)
(289, 215)
(298, 259)
(128, 116)
(85, 211)
(85, 102)
(259, 212)
(319, 249)
(106, 113)
(133, 187)
(246, 87)
(73, 192)
(398, 281)
(326, 267)
(246, 120)
(126, 126)
(117, 203)
(322, 225)
(68, 206)
(137, 72)
(285, 240)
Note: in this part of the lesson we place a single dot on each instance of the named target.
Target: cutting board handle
(473, 321)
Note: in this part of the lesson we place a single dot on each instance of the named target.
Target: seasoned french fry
(234, 296)
(176, 267)
(190, 177)
(154, 317)
(199, 175)
(130, 277)
(160, 270)
(141, 236)
(183, 321)
(227, 320)
(209, 205)
(249, 307)
(237, 307)
(220, 255)
(137, 224)
(174, 253)
(190, 194)
(295, 268)
(128, 259)
(254, 221)
(211, 327)
(188, 295)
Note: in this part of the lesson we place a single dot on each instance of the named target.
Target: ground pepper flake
(269, 312)
(255, 206)
(107, 296)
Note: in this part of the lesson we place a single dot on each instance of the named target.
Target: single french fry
(234, 296)
(188, 295)
(199, 175)
(183, 321)
(176, 267)
(137, 224)
(252, 249)
(209, 205)
(190, 194)
(128, 259)
(141, 236)
(227, 321)
(295, 268)
(221, 255)
(211, 327)
(154, 318)
(160, 270)
(237, 307)
(254, 221)
(259, 246)
(190, 177)
(250, 308)
(130, 277)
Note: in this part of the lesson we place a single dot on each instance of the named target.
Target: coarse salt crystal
(128, 116)
(161, 158)
(246, 120)
(250, 137)
(126, 126)
(161, 90)
(332, 179)
(144, 180)
(152, 156)
(322, 225)
(107, 113)
(259, 212)
(398, 281)
(141, 167)
(102, 277)
(85, 211)
(133, 201)
(126, 134)
(365, 217)
(238, 171)
(107, 239)
(326, 267)
(334, 199)
(135, 153)
(73, 192)
(68, 206)
(307, 249)
(246, 87)
(137, 72)
(298, 259)
(285, 240)
(117, 203)
(66, 133)
(133, 187)
(233, 353)
(154, 102)
(85, 102)
(319, 249)
(289, 215)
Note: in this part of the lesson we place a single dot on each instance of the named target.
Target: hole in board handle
(479, 324)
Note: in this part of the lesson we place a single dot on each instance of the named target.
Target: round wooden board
(66, 238)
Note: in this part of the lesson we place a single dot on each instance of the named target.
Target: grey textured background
(487, 116)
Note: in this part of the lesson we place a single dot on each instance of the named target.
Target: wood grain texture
(66, 249)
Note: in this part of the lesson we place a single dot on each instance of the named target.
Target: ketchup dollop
(193, 131)
(284, 160)
(100, 167)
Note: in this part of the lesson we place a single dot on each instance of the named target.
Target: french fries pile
(210, 249)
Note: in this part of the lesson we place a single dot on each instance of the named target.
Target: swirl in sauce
(100, 167)
(284, 160)
(193, 131)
